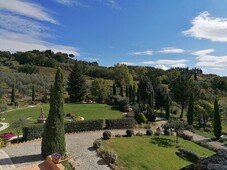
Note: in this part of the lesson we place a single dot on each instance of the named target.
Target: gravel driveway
(79, 146)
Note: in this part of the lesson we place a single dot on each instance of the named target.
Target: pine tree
(167, 107)
(33, 93)
(13, 94)
(217, 120)
(114, 90)
(76, 84)
(190, 113)
(54, 135)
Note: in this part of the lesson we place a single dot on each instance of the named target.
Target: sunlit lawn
(156, 153)
(88, 111)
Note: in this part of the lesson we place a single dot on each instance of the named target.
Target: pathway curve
(79, 146)
(214, 144)
(4, 126)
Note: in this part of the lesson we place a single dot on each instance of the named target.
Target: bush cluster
(149, 132)
(110, 157)
(129, 132)
(106, 135)
(97, 143)
(127, 123)
(189, 155)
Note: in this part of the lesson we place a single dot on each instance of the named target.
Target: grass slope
(154, 152)
(88, 111)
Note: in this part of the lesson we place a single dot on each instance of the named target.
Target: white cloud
(169, 50)
(171, 62)
(205, 59)
(162, 67)
(28, 9)
(217, 69)
(205, 26)
(148, 52)
(179, 65)
(148, 62)
(11, 41)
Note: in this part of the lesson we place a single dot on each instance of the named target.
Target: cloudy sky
(163, 34)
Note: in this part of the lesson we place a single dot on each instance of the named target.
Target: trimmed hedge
(33, 132)
(189, 155)
(126, 123)
(81, 126)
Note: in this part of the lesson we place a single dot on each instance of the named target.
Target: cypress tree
(217, 120)
(33, 93)
(114, 90)
(167, 107)
(138, 96)
(121, 91)
(130, 94)
(127, 92)
(13, 94)
(76, 84)
(134, 95)
(54, 135)
(190, 113)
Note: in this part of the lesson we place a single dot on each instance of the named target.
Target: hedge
(189, 155)
(81, 126)
(33, 132)
(127, 123)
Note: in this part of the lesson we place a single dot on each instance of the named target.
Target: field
(88, 111)
(154, 152)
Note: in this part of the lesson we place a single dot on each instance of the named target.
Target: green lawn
(88, 111)
(156, 152)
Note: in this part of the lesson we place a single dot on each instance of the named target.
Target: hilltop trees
(54, 135)
(76, 84)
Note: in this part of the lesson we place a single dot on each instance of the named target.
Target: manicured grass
(156, 152)
(88, 111)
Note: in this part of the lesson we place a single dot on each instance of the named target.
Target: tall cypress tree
(217, 120)
(127, 92)
(130, 94)
(33, 93)
(13, 94)
(190, 113)
(54, 135)
(121, 91)
(167, 107)
(76, 84)
(114, 89)
(138, 96)
(134, 95)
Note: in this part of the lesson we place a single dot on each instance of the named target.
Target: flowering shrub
(56, 155)
(7, 136)
(2, 143)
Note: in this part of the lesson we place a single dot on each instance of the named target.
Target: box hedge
(33, 132)
(126, 123)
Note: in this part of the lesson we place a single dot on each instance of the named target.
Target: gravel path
(4, 126)
(79, 146)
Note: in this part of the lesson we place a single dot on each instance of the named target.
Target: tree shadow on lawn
(162, 142)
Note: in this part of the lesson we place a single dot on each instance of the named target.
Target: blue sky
(157, 33)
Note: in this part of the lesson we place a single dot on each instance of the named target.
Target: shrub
(2, 143)
(126, 123)
(149, 132)
(122, 102)
(3, 107)
(110, 157)
(106, 135)
(97, 143)
(141, 118)
(189, 155)
(129, 132)
(28, 69)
